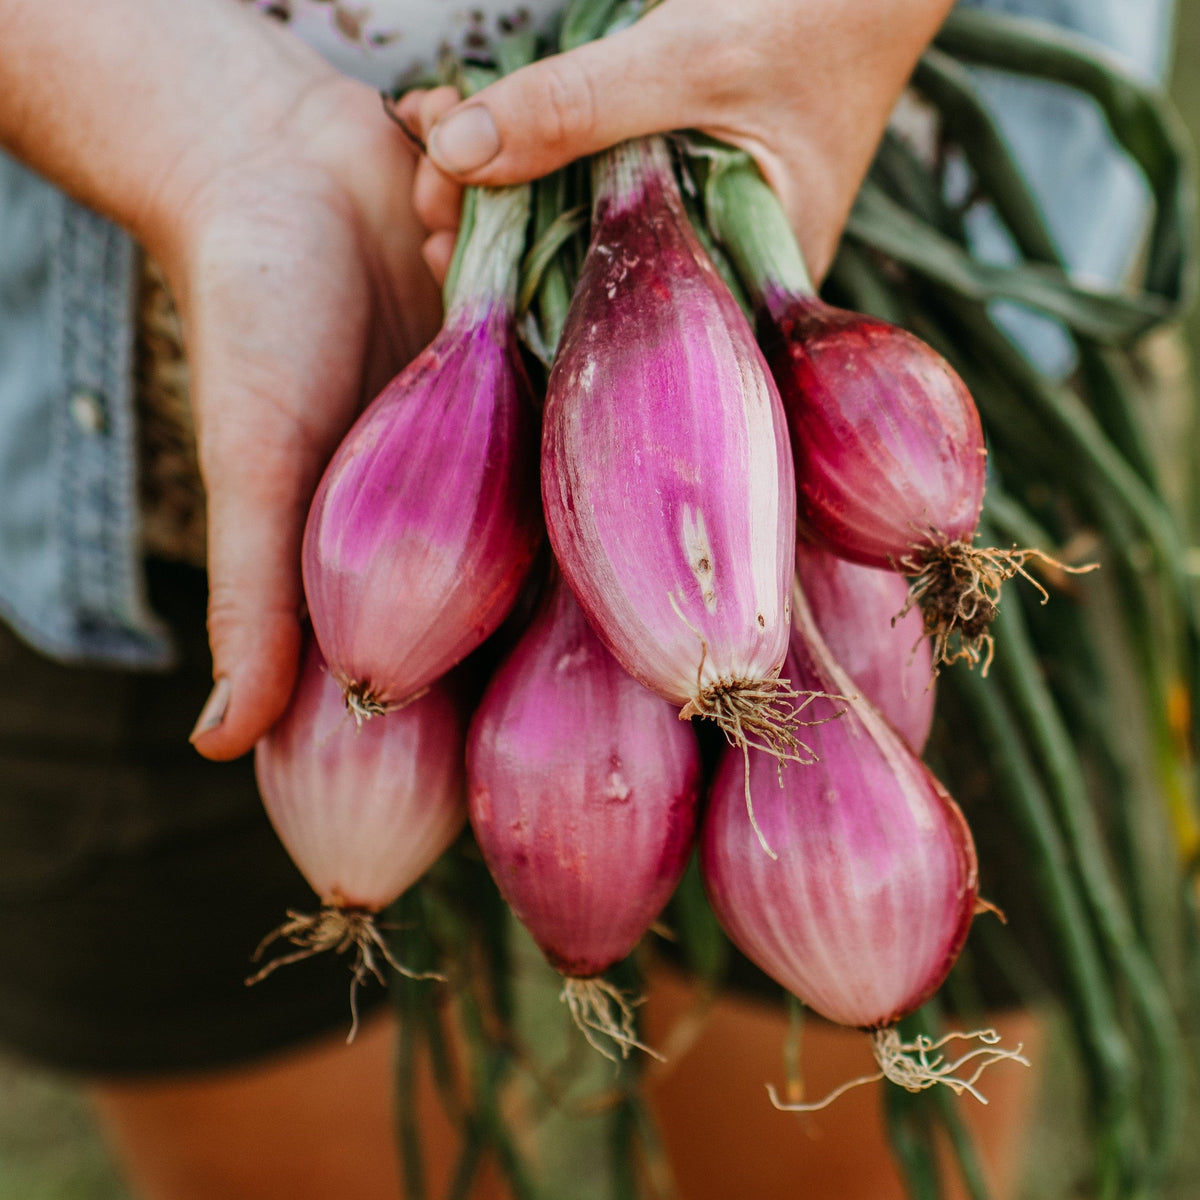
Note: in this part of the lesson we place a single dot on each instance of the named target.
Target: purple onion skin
(890, 664)
(363, 812)
(426, 521)
(873, 892)
(886, 438)
(583, 788)
(666, 478)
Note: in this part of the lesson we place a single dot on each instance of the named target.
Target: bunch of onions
(889, 660)
(363, 812)
(889, 452)
(583, 788)
(666, 476)
(426, 521)
(873, 888)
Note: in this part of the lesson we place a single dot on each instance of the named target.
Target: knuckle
(567, 110)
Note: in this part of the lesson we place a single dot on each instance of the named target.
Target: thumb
(562, 108)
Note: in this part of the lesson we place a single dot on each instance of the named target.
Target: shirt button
(87, 410)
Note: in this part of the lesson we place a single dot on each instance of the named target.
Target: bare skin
(290, 217)
(313, 1124)
(284, 225)
(290, 224)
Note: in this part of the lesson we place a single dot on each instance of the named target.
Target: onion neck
(748, 220)
(485, 269)
(628, 175)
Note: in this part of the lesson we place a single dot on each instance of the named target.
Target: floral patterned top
(395, 43)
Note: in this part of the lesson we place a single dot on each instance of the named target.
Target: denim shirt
(71, 578)
(70, 566)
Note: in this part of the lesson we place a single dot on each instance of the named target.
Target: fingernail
(215, 708)
(465, 140)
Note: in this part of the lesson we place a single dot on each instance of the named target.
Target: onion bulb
(583, 787)
(888, 659)
(426, 521)
(889, 452)
(873, 888)
(666, 475)
(363, 812)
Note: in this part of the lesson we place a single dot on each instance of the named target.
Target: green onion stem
(489, 249)
(748, 220)
(968, 118)
(1018, 667)
(911, 1137)
(407, 1113)
(970, 1169)
(1107, 1057)
(1139, 115)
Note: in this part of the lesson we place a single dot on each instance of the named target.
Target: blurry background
(49, 1149)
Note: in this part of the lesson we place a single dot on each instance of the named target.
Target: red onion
(666, 477)
(888, 660)
(583, 789)
(426, 521)
(889, 452)
(363, 812)
(869, 900)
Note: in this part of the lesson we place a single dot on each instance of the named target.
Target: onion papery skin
(889, 452)
(583, 788)
(426, 521)
(888, 659)
(363, 812)
(869, 901)
(666, 477)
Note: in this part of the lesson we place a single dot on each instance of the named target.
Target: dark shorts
(136, 878)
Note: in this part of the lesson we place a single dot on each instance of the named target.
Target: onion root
(957, 587)
(919, 1064)
(602, 1011)
(338, 929)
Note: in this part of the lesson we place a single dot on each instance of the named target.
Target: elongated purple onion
(363, 811)
(583, 789)
(869, 900)
(666, 476)
(888, 660)
(426, 521)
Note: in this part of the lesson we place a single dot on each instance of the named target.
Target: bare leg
(314, 1124)
(724, 1139)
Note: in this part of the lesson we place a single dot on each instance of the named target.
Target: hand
(276, 195)
(805, 86)
(302, 291)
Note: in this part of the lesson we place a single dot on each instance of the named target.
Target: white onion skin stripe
(889, 660)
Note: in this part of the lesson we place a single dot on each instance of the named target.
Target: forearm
(127, 105)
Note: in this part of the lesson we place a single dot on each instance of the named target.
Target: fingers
(564, 107)
(261, 470)
(272, 398)
(437, 251)
(436, 197)
(254, 625)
